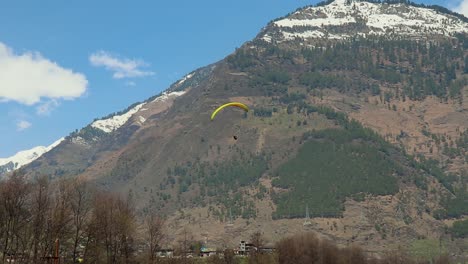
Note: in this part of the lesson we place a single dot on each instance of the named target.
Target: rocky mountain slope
(358, 112)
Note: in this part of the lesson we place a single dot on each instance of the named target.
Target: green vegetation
(291, 97)
(459, 229)
(395, 69)
(129, 165)
(332, 165)
(227, 176)
(462, 145)
(89, 133)
(427, 249)
(349, 160)
(414, 70)
(318, 80)
(431, 167)
(216, 180)
(241, 59)
(275, 76)
(263, 112)
(456, 206)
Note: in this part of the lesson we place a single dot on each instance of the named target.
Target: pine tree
(466, 65)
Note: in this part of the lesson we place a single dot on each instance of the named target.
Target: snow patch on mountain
(164, 96)
(111, 124)
(80, 141)
(369, 19)
(27, 156)
(316, 22)
(188, 76)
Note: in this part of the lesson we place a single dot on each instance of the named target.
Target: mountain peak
(343, 19)
(25, 157)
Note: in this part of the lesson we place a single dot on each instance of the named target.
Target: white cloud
(28, 77)
(122, 67)
(461, 7)
(46, 108)
(23, 125)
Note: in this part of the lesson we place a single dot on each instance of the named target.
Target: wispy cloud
(46, 108)
(460, 7)
(28, 77)
(130, 83)
(122, 67)
(23, 125)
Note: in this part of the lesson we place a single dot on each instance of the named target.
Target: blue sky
(98, 57)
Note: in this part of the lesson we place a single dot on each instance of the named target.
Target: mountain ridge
(364, 18)
(24, 157)
(113, 121)
(304, 101)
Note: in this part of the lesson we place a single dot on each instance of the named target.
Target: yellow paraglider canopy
(236, 104)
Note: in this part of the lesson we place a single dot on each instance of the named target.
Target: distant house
(165, 253)
(268, 248)
(206, 252)
(245, 248)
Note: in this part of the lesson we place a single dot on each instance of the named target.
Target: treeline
(453, 204)
(88, 133)
(416, 70)
(462, 145)
(332, 165)
(422, 70)
(93, 226)
(432, 167)
(454, 207)
(97, 226)
(449, 146)
(307, 248)
(217, 178)
(339, 158)
(459, 229)
(212, 181)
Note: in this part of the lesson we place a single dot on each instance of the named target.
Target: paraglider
(235, 104)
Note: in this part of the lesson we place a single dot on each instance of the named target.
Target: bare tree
(13, 198)
(126, 226)
(59, 218)
(113, 224)
(104, 217)
(80, 205)
(155, 233)
(40, 205)
(257, 239)
(229, 256)
(184, 244)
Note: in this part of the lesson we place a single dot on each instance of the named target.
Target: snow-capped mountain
(25, 157)
(107, 125)
(342, 19)
(113, 123)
